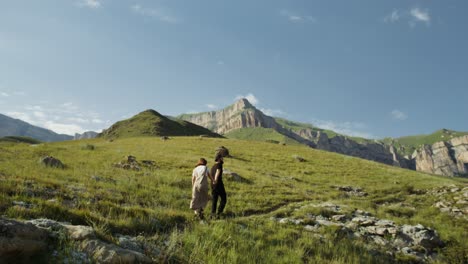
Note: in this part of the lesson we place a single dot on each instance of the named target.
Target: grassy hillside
(154, 202)
(18, 139)
(151, 123)
(261, 134)
(410, 143)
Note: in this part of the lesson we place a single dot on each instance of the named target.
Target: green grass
(17, 139)
(407, 145)
(154, 202)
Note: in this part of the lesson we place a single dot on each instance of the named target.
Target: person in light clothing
(200, 187)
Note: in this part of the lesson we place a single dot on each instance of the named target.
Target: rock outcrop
(242, 114)
(21, 240)
(449, 158)
(85, 135)
(379, 235)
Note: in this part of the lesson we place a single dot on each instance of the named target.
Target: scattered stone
(232, 176)
(352, 191)
(223, 151)
(106, 179)
(381, 235)
(23, 204)
(130, 163)
(52, 162)
(339, 218)
(103, 252)
(299, 158)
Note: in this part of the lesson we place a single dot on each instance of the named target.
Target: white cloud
(392, 17)
(398, 115)
(421, 15)
(211, 106)
(4, 94)
(93, 4)
(22, 116)
(273, 112)
(412, 16)
(159, 13)
(296, 18)
(220, 62)
(250, 97)
(69, 129)
(78, 120)
(353, 129)
(66, 118)
(97, 121)
(39, 114)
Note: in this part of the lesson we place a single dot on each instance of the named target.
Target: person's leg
(200, 214)
(215, 202)
(223, 202)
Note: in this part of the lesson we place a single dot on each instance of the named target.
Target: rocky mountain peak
(242, 104)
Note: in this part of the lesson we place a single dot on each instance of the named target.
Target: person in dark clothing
(218, 186)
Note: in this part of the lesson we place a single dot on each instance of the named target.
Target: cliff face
(340, 144)
(242, 114)
(449, 158)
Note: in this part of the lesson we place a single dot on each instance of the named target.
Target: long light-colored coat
(200, 188)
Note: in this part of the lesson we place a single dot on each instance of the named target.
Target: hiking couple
(200, 196)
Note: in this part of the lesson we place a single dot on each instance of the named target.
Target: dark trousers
(220, 192)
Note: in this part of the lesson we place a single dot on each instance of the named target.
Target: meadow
(154, 202)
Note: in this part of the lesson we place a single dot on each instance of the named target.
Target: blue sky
(366, 68)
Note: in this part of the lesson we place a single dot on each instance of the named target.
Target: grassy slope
(260, 134)
(16, 139)
(156, 201)
(410, 143)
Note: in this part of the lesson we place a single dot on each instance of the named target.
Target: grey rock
(50, 161)
(21, 241)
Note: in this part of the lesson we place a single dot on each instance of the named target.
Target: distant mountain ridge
(15, 127)
(152, 123)
(85, 135)
(242, 114)
(427, 153)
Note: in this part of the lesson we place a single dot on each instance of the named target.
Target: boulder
(103, 252)
(223, 151)
(52, 162)
(21, 239)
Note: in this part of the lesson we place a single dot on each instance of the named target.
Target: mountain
(233, 121)
(152, 123)
(86, 135)
(407, 145)
(448, 158)
(15, 127)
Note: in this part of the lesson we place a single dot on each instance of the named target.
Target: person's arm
(209, 176)
(193, 178)
(216, 177)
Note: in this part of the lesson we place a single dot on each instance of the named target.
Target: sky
(363, 68)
